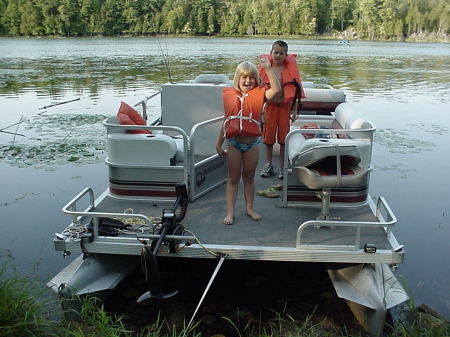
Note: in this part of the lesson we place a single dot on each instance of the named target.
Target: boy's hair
(246, 69)
(280, 43)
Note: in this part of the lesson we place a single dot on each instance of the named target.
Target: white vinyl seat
(328, 166)
(327, 163)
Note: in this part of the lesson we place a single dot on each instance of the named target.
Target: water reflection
(401, 70)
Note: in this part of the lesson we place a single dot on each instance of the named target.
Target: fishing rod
(164, 57)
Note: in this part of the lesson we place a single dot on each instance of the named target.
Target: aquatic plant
(57, 140)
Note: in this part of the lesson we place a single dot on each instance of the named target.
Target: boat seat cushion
(212, 79)
(318, 177)
(129, 116)
(349, 119)
(142, 149)
(305, 152)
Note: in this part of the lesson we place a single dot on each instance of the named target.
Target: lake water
(404, 88)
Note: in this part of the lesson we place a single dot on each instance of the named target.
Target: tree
(367, 18)
(89, 12)
(340, 11)
(111, 18)
(212, 21)
(69, 13)
(30, 19)
(11, 19)
(51, 21)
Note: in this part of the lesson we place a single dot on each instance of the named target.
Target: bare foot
(228, 220)
(254, 216)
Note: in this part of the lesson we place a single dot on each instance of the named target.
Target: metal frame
(301, 253)
(194, 134)
(387, 225)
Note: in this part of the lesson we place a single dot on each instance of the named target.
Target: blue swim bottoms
(243, 147)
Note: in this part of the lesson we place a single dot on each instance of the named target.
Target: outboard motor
(170, 225)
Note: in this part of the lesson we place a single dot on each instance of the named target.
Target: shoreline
(424, 38)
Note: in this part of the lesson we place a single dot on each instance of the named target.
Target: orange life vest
(243, 112)
(129, 116)
(292, 88)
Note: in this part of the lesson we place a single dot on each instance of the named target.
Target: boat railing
(143, 104)
(383, 213)
(195, 138)
(71, 209)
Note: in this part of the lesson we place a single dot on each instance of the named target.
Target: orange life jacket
(129, 116)
(292, 82)
(243, 112)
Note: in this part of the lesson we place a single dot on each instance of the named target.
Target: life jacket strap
(239, 114)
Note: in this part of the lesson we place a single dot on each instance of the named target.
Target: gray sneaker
(281, 173)
(267, 171)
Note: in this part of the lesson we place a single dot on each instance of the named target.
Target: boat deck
(275, 237)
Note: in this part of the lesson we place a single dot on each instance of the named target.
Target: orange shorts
(276, 122)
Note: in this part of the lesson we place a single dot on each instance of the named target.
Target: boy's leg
(234, 161)
(283, 129)
(269, 137)
(281, 155)
(267, 170)
(249, 164)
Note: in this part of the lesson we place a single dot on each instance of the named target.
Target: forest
(353, 19)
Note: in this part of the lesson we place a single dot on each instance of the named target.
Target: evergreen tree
(111, 17)
(30, 19)
(11, 19)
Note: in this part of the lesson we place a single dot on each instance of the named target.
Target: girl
(243, 105)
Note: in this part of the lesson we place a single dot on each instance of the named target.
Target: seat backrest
(187, 104)
(322, 100)
(212, 79)
(350, 119)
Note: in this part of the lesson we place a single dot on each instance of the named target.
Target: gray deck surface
(278, 228)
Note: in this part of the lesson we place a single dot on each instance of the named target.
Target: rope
(201, 245)
(137, 226)
(134, 226)
(73, 232)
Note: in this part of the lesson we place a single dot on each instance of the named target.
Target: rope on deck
(134, 226)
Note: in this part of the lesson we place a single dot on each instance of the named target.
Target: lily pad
(58, 140)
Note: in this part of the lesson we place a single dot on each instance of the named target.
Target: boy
(282, 108)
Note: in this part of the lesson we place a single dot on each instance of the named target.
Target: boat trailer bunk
(166, 198)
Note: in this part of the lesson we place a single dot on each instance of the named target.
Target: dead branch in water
(55, 104)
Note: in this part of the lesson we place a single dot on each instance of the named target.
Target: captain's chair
(333, 163)
(339, 167)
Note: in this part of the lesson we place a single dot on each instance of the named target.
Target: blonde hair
(246, 69)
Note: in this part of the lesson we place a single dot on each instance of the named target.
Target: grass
(417, 325)
(22, 312)
(25, 311)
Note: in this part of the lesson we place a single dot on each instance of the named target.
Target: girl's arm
(275, 86)
(219, 142)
